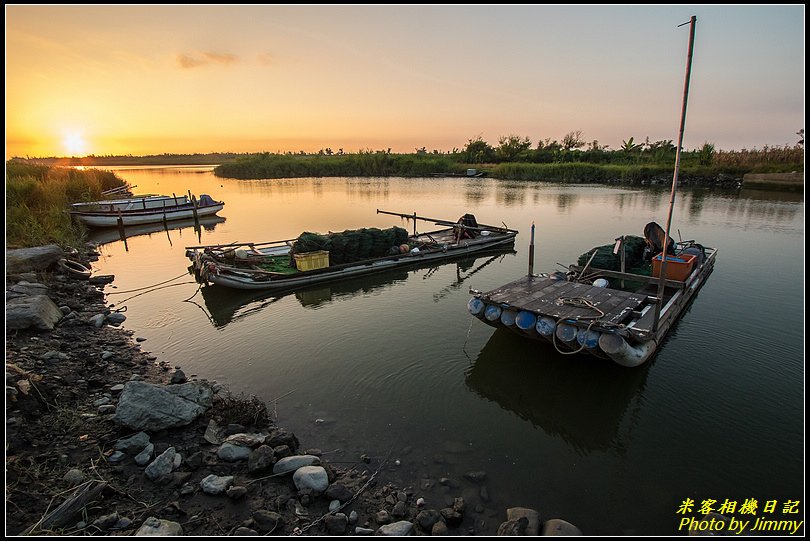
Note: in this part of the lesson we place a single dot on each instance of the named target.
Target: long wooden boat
(607, 313)
(578, 312)
(277, 265)
(144, 210)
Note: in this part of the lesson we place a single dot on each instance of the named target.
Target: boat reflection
(225, 304)
(589, 403)
(106, 236)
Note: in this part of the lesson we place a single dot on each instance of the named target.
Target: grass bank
(37, 201)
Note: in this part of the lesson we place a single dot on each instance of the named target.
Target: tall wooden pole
(665, 242)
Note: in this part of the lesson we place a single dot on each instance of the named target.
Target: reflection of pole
(531, 253)
(665, 242)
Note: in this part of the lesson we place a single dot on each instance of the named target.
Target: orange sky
(185, 79)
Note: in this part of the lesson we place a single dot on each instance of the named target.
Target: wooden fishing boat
(144, 210)
(608, 313)
(620, 315)
(292, 263)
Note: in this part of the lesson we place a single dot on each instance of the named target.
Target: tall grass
(38, 198)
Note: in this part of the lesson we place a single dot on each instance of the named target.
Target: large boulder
(37, 311)
(149, 407)
(32, 259)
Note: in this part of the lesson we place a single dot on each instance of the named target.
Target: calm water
(395, 362)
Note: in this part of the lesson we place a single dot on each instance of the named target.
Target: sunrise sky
(196, 79)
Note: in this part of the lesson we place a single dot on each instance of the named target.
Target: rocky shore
(103, 438)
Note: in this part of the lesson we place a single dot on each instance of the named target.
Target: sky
(153, 79)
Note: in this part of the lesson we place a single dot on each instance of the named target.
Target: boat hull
(148, 216)
(247, 281)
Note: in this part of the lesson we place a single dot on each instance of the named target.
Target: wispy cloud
(195, 60)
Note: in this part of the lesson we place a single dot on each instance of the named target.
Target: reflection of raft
(583, 403)
(577, 312)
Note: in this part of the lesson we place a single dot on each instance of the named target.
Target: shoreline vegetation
(39, 190)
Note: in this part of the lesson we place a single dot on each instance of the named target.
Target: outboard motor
(654, 235)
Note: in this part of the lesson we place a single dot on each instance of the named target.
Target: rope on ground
(151, 290)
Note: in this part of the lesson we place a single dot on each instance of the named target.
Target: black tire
(74, 269)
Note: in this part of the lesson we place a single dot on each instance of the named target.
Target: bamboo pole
(678, 151)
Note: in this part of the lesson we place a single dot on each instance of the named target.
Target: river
(394, 363)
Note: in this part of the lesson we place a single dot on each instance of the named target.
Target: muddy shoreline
(67, 442)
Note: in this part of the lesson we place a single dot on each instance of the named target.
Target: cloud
(195, 60)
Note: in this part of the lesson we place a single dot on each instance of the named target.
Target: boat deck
(546, 296)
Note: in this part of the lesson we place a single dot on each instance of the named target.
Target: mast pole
(665, 241)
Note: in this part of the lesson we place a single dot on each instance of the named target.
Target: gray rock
(32, 259)
(452, 517)
(313, 478)
(116, 458)
(241, 530)
(144, 406)
(37, 312)
(74, 477)
(400, 510)
(336, 524)
(214, 484)
(161, 468)
(403, 527)
(116, 318)
(143, 458)
(440, 528)
(476, 476)
(292, 463)
(353, 517)
(178, 377)
(106, 409)
(382, 517)
(334, 505)
(106, 522)
(26, 288)
(363, 531)
(236, 493)
(427, 518)
(556, 526)
(97, 320)
(156, 526)
(233, 453)
(134, 444)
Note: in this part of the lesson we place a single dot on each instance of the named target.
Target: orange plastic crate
(678, 267)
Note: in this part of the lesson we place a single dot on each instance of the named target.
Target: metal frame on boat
(144, 210)
(237, 265)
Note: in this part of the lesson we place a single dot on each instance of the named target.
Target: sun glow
(75, 144)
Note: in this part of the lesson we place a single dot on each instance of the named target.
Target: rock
(513, 527)
(476, 476)
(267, 521)
(452, 517)
(334, 505)
(336, 524)
(339, 491)
(97, 320)
(115, 318)
(32, 259)
(400, 510)
(156, 526)
(214, 484)
(74, 477)
(37, 312)
(556, 526)
(363, 531)
(102, 279)
(532, 516)
(241, 530)
(353, 517)
(30, 289)
(233, 453)
(106, 409)
(236, 493)
(403, 527)
(116, 457)
(143, 458)
(427, 518)
(280, 436)
(106, 522)
(144, 406)
(382, 517)
(311, 477)
(178, 377)
(247, 440)
(261, 459)
(292, 463)
(161, 468)
(440, 528)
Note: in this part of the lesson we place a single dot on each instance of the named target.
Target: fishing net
(351, 245)
(605, 258)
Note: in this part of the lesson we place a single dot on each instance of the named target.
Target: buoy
(566, 332)
(508, 317)
(545, 326)
(492, 312)
(525, 320)
(589, 339)
(475, 306)
(601, 282)
(74, 268)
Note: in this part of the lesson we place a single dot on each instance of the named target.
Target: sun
(75, 144)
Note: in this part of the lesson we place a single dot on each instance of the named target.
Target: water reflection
(106, 236)
(224, 305)
(583, 401)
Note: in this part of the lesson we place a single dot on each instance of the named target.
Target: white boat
(282, 265)
(144, 210)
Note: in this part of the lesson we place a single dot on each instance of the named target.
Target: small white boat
(294, 263)
(144, 210)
